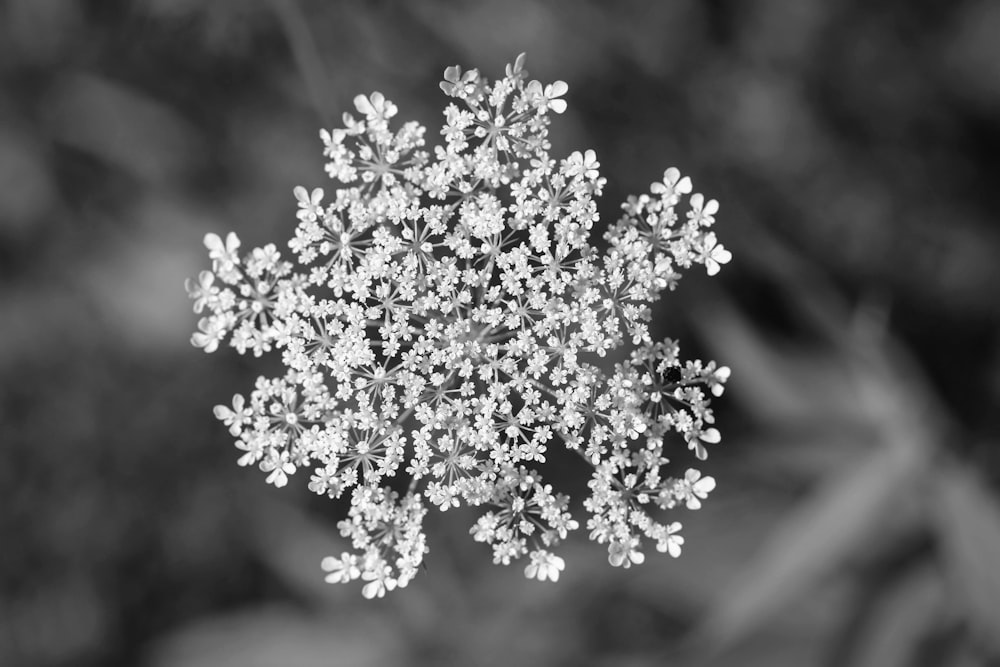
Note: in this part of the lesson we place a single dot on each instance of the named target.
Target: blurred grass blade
(775, 382)
(122, 125)
(812, 543)
(307, 57)
(902, 619)
(266, 636)
(968, 528)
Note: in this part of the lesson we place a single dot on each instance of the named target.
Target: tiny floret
(544, 566)
(446, 323)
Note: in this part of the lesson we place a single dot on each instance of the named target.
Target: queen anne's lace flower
(441, 324)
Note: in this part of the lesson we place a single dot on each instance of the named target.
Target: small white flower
(583, 164)
(375, 106)
(211, 331)
(713, 254)
(625, 555)
(544, 566)
(670, 542)
(549, 97)
(702, 213)
(638, 426)
(236, 417)
(222, 254)
(341, 570)
(201, 291)
(718, 380)
(672, 186)
(696, 438)
(379, 582)
(310, 205)
(279, 468)
(697, 488)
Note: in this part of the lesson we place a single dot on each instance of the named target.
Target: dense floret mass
(442, 320)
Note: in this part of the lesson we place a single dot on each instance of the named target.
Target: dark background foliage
(854, 150)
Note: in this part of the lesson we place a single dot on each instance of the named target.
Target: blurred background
(855, 154)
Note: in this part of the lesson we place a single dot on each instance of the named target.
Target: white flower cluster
(441, 326)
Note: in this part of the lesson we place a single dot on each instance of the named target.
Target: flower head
(443, 320)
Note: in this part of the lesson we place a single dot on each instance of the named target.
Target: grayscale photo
(361, 333)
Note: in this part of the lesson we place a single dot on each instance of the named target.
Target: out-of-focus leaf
(35, 318)
(270, 636)
(40, 31)
(905, 616)
(781, 386)
(292, 545)
(804, 453)
(495, 33)
(840, 519)
(971, 56)
(967, 522)
(51, 625)
(765, 121)
(121, 126)
(26, 188)
(299, 33)
(137, 282)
